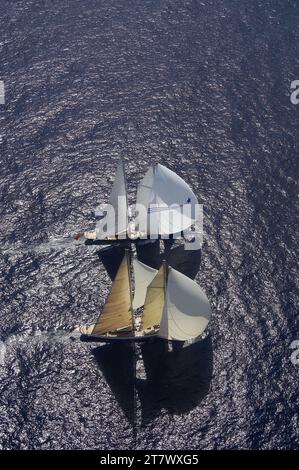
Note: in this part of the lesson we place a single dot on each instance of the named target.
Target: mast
(127, 254)
(165, 272)
(132, 346)
(126, 195)
(126, 185)
(125, 177)
(165, 276)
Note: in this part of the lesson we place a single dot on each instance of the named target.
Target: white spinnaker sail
(186, 311)
(147, 223)
(116, 222)
(117, 311)
(143, 276)
(160, 189)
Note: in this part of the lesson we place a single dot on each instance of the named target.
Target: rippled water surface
(204, 88)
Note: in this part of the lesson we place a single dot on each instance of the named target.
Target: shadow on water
(176, 380)
(117, 362)
(111, 259)
(185, 261)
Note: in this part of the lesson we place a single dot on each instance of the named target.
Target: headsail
(143, 276)
(154, 301)
(160, 189)
(117, 312)
(187, 310)
(116, 222)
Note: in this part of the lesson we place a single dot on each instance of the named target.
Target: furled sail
(143, 276)
(116, 220)
(154, 301)
(160, 189)
(187, 310)
(117, 312)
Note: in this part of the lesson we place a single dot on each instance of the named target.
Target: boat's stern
(86, 329)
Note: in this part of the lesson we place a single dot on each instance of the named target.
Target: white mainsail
(115, 223)
(143, 276)
(117, 312)
(186, 311)
(160, 189)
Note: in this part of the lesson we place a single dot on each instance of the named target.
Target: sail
(143, 275)
(145, 196)
(154, 301)
(117, 311)
(160, 189)
(145, 191)
(187, 310)
(116, 220)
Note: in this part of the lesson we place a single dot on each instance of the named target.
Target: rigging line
(135, 395)
(133, 347)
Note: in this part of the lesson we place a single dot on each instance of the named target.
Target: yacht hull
(110, 339)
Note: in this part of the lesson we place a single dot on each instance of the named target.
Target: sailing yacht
(174, 306)
(165, 205)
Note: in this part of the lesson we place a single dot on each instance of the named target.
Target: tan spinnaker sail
(117, 311)
(154, 301)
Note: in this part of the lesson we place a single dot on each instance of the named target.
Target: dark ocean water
(204, 88)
